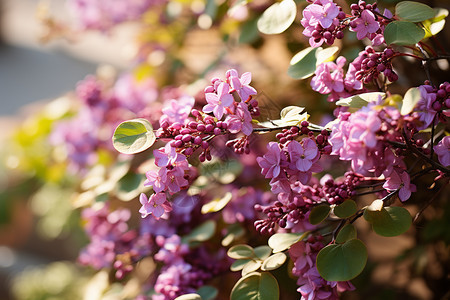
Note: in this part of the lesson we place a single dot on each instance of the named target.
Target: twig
(416, 217)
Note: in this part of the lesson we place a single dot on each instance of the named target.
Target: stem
(432, 136)
(425, 63)
(429, 48)
(429, 201)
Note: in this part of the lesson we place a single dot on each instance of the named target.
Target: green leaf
(191, 296)
(224, 172)
(239, 264)
(256, 286)
(249, 32)
(413, 11)
(325, 55)
(346, 209)
(133, 136)
(234, 231)
(274, 261)
(278, 17)
(217, 204)
(251, 266)
(346, 233)
(129, 186)
(303, 64)
(282, 241)
(412, 96)
(403, 33)
(263, 252)
(241, 251)
(319, 213)
(360, 100)
(201, 233)
(389, 221)
(342, 262)
(435, 25)
(208, 292)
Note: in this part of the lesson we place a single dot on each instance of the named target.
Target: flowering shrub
(220, 176)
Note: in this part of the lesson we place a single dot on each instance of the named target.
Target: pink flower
(156, 206)
(167, 156)
(218, 102)
(270, 162)
(443, 151)
(303, 156)
(400, 181)
(240, 121)
(365, 24)
(175, 178)
(178, 110)
(241, 85)
(156, 179)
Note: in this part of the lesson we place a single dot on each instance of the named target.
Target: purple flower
(218, 102)
(443, 151)
(178, 110)
(241, 85)
(303, 155)
(156, 179)
(240, 121)
(365, 24)
(399, 179)
(156, 206)
(270, 162)
(167, 156)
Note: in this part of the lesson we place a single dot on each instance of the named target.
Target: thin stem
(425, 63)
(429, 201)
(429, 48)
(432, 135)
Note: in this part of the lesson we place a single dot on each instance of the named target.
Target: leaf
(274, 261)
(342, 262)
(201, 233)
(129, 186)
(234, 231)
(304, 63)
(282, 241)
(346, 209)
(256, 286)
(241, 251)
(191, 296)
(325, 55)
(133, 136)
(319, 213)
(389, 221)
(263, 252)
(251, 266)
(278, 17)
(239, 264)
(346, 233)
(217, 204)
(249, 32)
(413, 11)
(435, 25)
(360, 100)
(208, 292)
(403, 33)
(412, 96)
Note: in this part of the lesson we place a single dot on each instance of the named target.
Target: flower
(167, 156)
(270, 162)
(365, 24)
(241, 85)
(303, 156)
(157, 205)
(443, 151)
(218, 102)
(240, 121)
(399, 179)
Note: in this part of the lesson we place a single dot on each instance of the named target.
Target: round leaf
(239, 264)
(389, 221)
(274, 261)
(241, 251)
(346, 233)
(403, 33)
(319, 213)
(360, 100)
(435, 25)
(192, 296)
(346, 209)
(251, 266)
(342, 262)
(327, 54)
(208, 292)
(412, 96)
(303, 64)
(256, 286)
(263, 252)
(413, 11)
(133, 136)
(282, 241)
(217, 204)
(201, 233)
(278, 17)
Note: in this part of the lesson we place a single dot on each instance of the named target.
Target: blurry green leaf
(201, 233)
(239, 264)
(278, 17)
(133, 136)
(413, 11)
(346, 209)
(389, 221)
(342, 262)
(217, 204)
(224, 172)
(403, 33)
(303, 64)
(436, 24)
(251, 266)
(208, 292)
(129, 186)
(241, 251)
(346, 233)
(412, 96)
(319, 213)
(249, 32)
(325, 55)
(274, 261)
(262, 252)
(256, 286)
(234, 231)
(191, 296)
(360, 100)
(282, 241)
